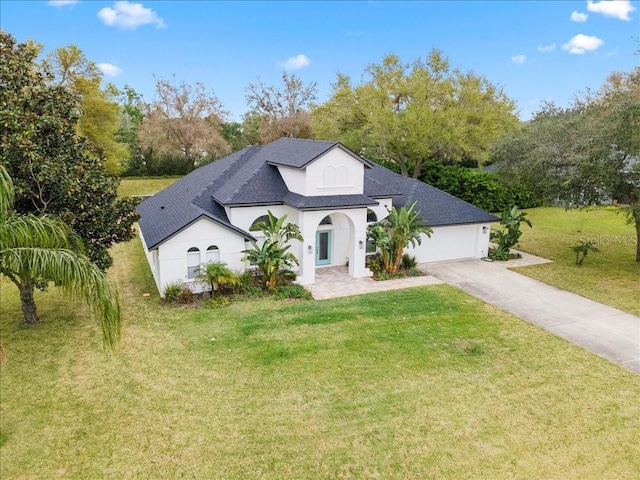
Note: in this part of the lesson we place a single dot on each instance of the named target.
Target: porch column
(358, 245)
(307, 258)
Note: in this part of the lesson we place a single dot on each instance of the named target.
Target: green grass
(143, 186)
(419, 383)
(611, 276)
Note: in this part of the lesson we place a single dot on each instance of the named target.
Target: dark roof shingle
(250, 177)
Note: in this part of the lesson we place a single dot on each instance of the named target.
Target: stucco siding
(172, 254)
(334, 173)
(452, 243)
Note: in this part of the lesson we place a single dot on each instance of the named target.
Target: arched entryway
(335, 238)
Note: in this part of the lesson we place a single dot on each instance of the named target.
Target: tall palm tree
(36, 250)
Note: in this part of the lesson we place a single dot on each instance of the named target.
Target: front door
(323, 247)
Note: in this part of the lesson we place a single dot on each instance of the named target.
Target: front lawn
(418, 383)
(611, 276)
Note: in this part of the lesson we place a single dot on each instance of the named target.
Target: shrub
(374, 263)
(414, 272)
(216, 302)
(246, 281)
(286, 277)
(294, 290)
(485, 190)
(499, 254)
(172, 292)
(582, 249)
(408, 262)
(187, 296)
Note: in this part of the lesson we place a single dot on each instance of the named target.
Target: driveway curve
(606, 331)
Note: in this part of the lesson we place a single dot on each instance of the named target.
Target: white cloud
(547, 48)
(61, 3)
(109, 70)
(579, 17)
(518, 59)
(129, 16)
(294, 63)
(355, 33)
(612, 8)
(581, 44)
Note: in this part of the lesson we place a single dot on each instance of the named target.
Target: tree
(273, 257)
(412, 113)
(392, 235)
(55, 171)
(132, 115)
(184, 121)
(37, 249)
(100, 114)
(216, 274)
(283, 112)
(585, 154)
(582, 250)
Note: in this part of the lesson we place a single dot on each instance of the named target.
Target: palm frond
(76, 275)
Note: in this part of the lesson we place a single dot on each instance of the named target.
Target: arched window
(263, 218)
(193, 262)
(329, 177)
(326, 221)
(371, 216)
(213, 254)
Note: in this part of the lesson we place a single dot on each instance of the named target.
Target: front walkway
(333, 282)
(606, 331)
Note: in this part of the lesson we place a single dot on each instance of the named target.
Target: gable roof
(294, 153)
(251, 177)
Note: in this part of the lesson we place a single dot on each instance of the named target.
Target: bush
(286, 277)
(294, 290)
(485, 190)
(414, 272)
(374, 263)
(408, 262)
(216, 302)
(172, 292)
(187, 296)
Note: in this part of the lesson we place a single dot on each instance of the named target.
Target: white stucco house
(331, 193)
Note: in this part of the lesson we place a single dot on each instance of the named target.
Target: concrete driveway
(606, 331)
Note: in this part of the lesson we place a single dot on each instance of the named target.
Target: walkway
(333, 282)
(606, 331)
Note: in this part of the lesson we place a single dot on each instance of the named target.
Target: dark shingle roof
(438, 208)
(250, 177)
(327, 201)
(294, 153)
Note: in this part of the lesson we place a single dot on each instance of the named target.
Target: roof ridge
(247, 155)
(247, 178)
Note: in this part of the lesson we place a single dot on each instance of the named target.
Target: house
(331, 193)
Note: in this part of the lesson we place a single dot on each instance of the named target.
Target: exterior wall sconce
(361, 244)
(485, 229)
(309, 249)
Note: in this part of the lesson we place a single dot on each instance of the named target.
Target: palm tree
(391, 235)
(272, 256)
(276, 231)
(582, 249)
(216, 274)
(36, 250)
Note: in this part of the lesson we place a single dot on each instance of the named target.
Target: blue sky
(536, 51)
